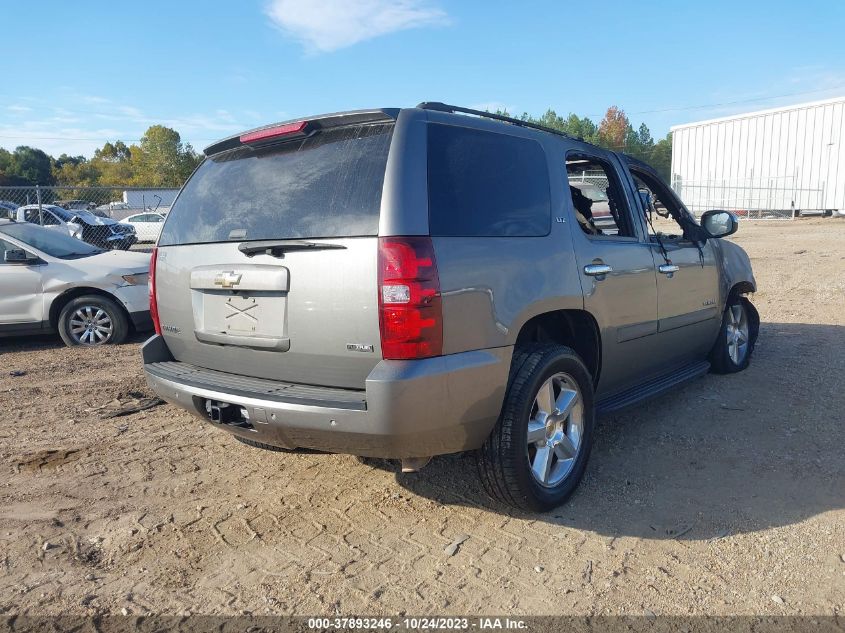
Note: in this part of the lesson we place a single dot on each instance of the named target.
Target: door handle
(668, 269)
(597, 270)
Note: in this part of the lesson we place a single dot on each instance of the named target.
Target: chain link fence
(113, 218)
(753, 198)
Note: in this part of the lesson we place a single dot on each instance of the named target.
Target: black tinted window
(486, 184)
(328, 185)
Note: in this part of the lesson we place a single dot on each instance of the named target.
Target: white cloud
(59, 130)
(328, 25)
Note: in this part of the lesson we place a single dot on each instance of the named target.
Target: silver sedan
(51, 282)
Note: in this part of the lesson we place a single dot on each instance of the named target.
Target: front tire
(537, 453)
(91, 321)
(737, 336)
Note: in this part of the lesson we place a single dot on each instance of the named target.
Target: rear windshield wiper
(278, 248)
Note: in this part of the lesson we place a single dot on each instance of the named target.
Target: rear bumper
(408, 408)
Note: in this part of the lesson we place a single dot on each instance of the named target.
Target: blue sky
(81, 73)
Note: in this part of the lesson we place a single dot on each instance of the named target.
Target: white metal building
(143, 198)
(762, 163)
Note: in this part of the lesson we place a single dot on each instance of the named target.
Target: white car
(50, 216)
(50, 281)
(84, 225)
(147, 225)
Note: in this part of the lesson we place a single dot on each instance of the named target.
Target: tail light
(410, 311)
(152, 286)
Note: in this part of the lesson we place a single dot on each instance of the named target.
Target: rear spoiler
(316, 123)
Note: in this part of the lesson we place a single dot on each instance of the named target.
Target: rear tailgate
(303, 310)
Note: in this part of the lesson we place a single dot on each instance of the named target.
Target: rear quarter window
(486, 184)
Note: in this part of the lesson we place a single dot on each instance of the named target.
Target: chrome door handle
(668, 269)
(597, 270)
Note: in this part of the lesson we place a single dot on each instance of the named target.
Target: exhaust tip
(414, 464)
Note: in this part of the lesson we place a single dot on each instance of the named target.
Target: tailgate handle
(279, 344)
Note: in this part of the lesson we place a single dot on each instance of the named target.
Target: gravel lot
(726, 496)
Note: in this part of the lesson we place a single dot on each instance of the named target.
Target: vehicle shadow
(31, 343)
(721, 455)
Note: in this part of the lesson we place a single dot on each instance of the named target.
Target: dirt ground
(726, 496)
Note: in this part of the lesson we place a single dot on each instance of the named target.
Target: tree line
(161, 159)
(613, 132)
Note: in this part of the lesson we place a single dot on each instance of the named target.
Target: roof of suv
(335, 119)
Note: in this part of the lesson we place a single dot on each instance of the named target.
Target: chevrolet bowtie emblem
(227, 279)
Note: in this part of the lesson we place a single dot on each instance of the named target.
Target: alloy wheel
(91, 325)
(737, 333)
(555, 430)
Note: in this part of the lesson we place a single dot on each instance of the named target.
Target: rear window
(485, 184)
(328, 185)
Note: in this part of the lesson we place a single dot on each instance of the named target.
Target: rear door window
(328, 185)
(486, 184)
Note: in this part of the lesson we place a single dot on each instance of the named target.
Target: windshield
(50, 242)
(60, 212)
(328, 185)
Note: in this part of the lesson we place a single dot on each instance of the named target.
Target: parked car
(147, 225)
(50, 281)
(7, 209)
(114, 206)
(408, 283)
(76, 205)
(52, 217)
(103, 232)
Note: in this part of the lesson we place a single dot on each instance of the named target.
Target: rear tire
(91, 321)
(534, 459)
(732, 350)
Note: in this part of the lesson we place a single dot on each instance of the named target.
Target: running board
(652, 388)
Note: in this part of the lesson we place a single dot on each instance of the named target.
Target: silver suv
(408, 283)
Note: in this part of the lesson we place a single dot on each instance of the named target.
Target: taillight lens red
(152, 286)
(410, 310)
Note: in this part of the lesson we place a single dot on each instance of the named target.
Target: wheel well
(69, 295)
(741, 288)
(574, 328)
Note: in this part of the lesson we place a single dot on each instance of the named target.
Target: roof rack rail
(445, 107)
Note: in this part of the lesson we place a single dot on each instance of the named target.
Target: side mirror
(719, 223)
(18, 256)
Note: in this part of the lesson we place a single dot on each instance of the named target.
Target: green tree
(75, 170)
(29, 166)
(113, 162)
(116, 152)
(5, 162)
(661, 158)
(161, 159)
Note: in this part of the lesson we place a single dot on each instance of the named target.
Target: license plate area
(252, 315)
(243, 314)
